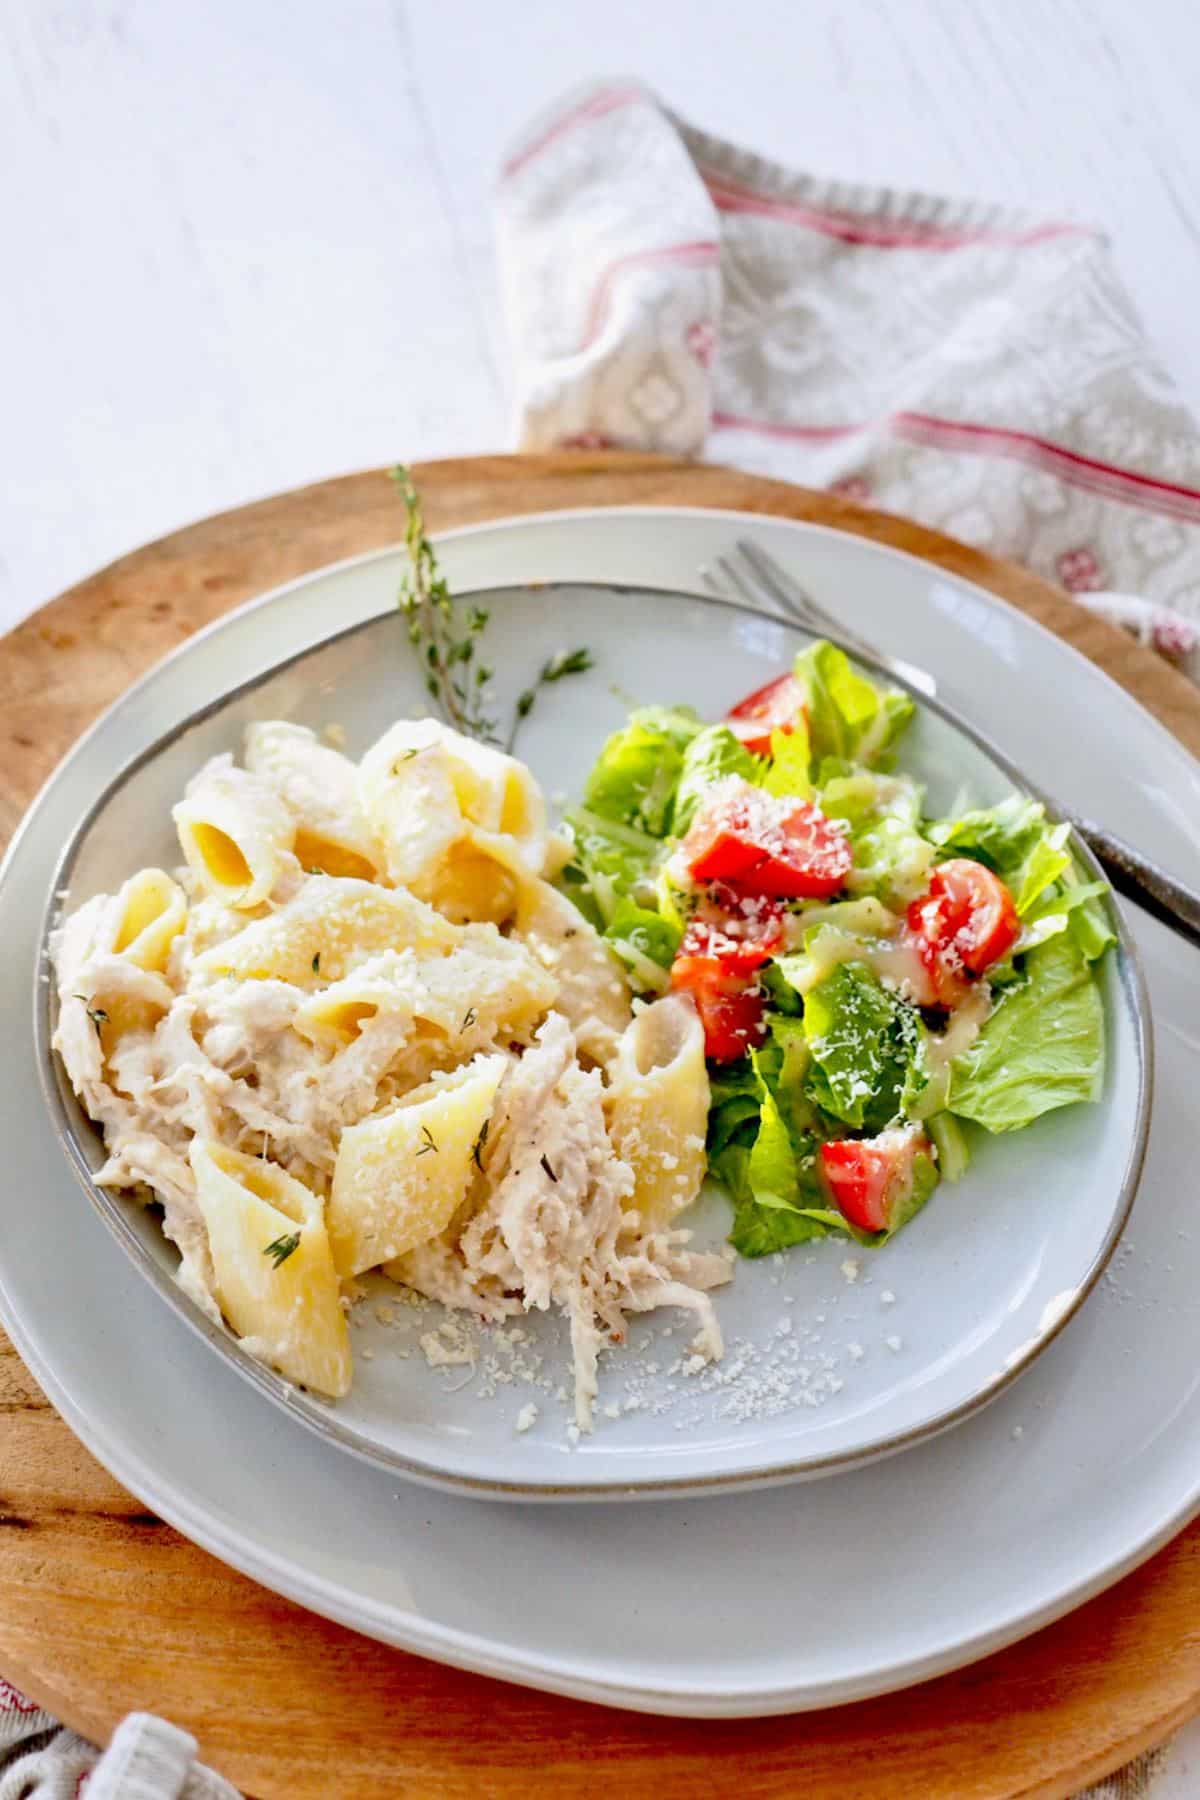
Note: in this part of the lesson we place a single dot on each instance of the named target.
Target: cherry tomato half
(775, 707)
(766, 844)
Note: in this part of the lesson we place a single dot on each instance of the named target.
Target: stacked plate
(719, 1586)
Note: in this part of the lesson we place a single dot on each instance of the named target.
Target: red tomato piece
(775, 707)
(964, 923)
(741, 930)
(869, 1178)
(766, 844)
(731, 1007)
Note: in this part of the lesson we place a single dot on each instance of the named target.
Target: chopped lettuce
(950, 1141)
(1034, 860)
(791, 754)
(678, 724)
(848, 717)
(758, 1147)
(634, 778)
(783, 1063)
(712, 755)
(611, 863)
(1071, 905)
(771, 1171)
(735, 1110)
(1015, 840)
(645, 942)
(924, 1180)
(1042, 1047)
(1087, 919)
(1004, 836)
(867, 1047)
(760, 1227)
(844, 932)
(782, 999)
(1048, 859)
(882, 814)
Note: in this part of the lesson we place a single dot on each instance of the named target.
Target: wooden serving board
(103, 1608)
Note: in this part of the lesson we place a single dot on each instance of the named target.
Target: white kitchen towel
(976, 369)
(146, 1760)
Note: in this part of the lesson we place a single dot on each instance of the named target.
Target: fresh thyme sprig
(447, 641)
(567, 662)
(282, 1247)
(447, 638)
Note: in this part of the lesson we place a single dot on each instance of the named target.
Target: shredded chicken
(551, 1227)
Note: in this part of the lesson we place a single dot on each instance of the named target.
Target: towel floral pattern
(976, 369)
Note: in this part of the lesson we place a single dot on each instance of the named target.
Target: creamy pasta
(358, 1030)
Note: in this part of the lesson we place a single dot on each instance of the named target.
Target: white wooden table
(248, 244)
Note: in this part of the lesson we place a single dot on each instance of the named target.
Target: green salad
(873, 982)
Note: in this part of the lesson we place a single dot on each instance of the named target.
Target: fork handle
(1168, 900)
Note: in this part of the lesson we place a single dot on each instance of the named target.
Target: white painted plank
(237, 271)
(250, 244)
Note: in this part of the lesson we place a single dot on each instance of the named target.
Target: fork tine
(734, 577)
(782, 586)
(752, 566)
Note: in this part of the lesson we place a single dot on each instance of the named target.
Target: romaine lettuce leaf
(950, 1141)
(754, 1150)
(735, 1106)
(1042, 1047)
(848, 717)
(1003, 836)
(882, 814)
(1015, 840)
(633, 779)
(783, 1064)
(712, 754)
(678, 724)
(611, 863)
(924, 1180)
(760, 1227)
(847, 931)
(1034, 859)
(1087, 919)
(645, 942)
(867, 1048)
(772, 1168)
(788, 772)
(1071, 905)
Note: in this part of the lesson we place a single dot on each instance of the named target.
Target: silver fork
(749, 573)
(755, 576)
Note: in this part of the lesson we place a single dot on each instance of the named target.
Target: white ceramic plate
(751, 1603)
(820, 1371)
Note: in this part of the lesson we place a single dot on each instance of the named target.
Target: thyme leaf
(548, 1169)
(96, 1014)
(477, 1148)
(283, 1247)
(565, 662)
(428, 1143)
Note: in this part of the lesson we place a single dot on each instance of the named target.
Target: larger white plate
(820, 1371)
(756, 1602)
